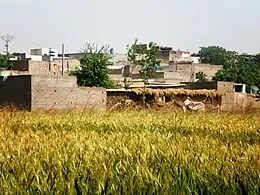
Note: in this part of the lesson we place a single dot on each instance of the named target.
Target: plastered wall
(62, 92)
(49, 92)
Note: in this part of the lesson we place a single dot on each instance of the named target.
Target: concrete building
(43, 51)
(116, 58)
(22, 56)
(119, 59)
(186, 72)
(49, 92)
(196, 60)
(39, 54)
(173, 74)
(167, 55)
(73, 55)
(178, 66)
(25, 67)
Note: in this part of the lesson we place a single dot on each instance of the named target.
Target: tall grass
(129, 153)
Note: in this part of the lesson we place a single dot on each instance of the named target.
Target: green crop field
(129, 153)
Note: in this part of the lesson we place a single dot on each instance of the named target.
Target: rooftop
(154, 85)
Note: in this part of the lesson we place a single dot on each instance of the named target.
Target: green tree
(213, 55)
(243, 69)
(201, 76)
(93, 67)
(240, 68)
(5, 61)
(216, 55)
(145, 58)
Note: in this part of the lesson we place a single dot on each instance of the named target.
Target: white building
(43, 51)
(196, 60)
(38, 54)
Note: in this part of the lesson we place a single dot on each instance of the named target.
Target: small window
(238, 88)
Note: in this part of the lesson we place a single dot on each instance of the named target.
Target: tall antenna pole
(7, 38)
(49, 58)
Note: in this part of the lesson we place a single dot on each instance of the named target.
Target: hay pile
(123, 105)
(174, 92)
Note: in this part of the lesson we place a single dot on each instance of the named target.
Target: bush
(93, 70)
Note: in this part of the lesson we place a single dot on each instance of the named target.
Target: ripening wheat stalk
(129, 153)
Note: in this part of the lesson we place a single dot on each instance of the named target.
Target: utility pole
(62, 62)
(7, 38)
(49, 58)
(192, 79)
(51, 54)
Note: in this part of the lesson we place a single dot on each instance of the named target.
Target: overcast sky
(183, 24)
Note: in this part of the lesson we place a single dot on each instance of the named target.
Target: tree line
(239, 68)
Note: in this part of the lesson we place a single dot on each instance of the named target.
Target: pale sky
(182, 24)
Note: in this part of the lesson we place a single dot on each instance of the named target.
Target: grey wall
(62, 92)
(185, 71)
(157, 75)
(201, 85)
(16, 90)
(42, 91)
(216, 85)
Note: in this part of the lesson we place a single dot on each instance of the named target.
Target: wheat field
(129, 152)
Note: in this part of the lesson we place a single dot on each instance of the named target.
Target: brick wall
(62, 92)
(237, 102)
(71, 64)
(185, 70)
(127, 71)
(157, 75)
(41, 91)
(200, 85)
(217, 85)
(42, 67)
(21, 65)
(227, 101)
(163, 56)
(209, 70)
(253, 103)
(118, 71)
(232, 102)
(225, 86)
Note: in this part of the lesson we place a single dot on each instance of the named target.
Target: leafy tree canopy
(5, 61)
(145, 58)
(245, 69)
(201, 76)
(93, 67)
(216, 55)
(239, 68)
